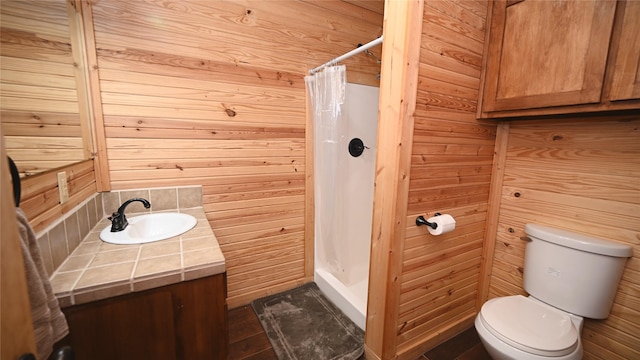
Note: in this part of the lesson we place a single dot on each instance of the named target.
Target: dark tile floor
(465, 346)
(247, 341)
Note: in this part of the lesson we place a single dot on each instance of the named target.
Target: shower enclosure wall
(344, 197)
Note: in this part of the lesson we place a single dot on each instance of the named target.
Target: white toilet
(568, 276)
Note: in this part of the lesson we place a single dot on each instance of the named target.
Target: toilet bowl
(568, 276)
(524, 328)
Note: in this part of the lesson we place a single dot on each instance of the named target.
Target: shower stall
(345, 118)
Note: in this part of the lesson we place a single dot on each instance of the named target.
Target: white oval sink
(150, 228)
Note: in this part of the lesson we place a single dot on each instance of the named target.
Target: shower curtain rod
(355, 51)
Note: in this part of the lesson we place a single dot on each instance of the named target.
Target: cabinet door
(626, 74)
(129, 327)
(547, 53)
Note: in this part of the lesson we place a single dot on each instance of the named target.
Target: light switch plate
(63, 187)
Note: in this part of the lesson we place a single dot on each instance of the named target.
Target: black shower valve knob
(356, 147)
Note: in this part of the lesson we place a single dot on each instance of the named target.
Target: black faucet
(118, 220)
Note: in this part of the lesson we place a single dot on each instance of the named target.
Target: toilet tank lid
(578, 241)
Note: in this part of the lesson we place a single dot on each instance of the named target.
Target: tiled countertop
(98, 270)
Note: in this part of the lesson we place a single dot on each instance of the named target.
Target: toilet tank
(573, 272)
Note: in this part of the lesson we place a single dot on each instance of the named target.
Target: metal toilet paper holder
(420, 220)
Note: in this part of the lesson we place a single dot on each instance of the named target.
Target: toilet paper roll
(445, 222)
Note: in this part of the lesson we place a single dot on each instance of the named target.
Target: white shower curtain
(326, 91)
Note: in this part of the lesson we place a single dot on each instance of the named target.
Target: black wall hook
(15, 179)
(420, 220)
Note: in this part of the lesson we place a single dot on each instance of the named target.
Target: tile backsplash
(62, 237)
(59, 239)
(160, 199)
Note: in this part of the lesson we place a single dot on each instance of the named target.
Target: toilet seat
(530, 325)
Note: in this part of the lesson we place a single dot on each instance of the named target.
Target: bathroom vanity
(186, 320)
(161, 300)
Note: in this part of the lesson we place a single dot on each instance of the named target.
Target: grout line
(182, 270)
(135, 267)
(66, 239)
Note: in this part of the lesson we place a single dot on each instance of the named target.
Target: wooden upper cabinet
(626, 74)
(558, 56)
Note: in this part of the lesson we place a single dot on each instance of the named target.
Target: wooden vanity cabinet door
(547, 53)
(182, 321)
(130, 327)
(626, 73)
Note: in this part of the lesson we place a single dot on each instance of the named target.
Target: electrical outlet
(63, 187)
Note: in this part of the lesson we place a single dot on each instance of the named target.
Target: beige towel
(49, 323)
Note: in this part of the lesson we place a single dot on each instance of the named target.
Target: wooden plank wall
(212, 93)
(581, 175)
(450, 173)
(40, 199)
(38, 97)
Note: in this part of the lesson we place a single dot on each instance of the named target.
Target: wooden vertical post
(16, 335)
(309, 198)
(76, 35)
(491, 225)
(398, 87)
(87, 39)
